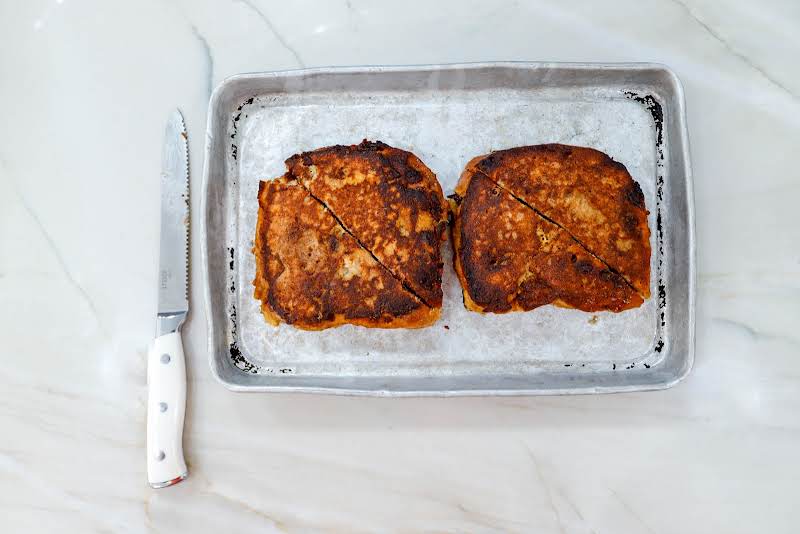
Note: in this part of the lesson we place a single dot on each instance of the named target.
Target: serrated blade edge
(173, 276)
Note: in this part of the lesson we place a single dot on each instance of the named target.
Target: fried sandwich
(389, 201)
(351, 234)
(550, 224)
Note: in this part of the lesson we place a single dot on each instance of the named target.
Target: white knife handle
(166, 406)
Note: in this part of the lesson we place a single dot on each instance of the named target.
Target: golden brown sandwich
(389, 201)
(312, 274)
(586, 193)
(511, 256)
(351, 234)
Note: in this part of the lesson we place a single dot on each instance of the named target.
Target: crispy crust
(389, 201)
(585, 192)
(508, 258)
(313, 275)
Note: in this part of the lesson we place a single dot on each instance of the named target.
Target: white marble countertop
(85, 88)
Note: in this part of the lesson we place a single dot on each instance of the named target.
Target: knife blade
(166, 368)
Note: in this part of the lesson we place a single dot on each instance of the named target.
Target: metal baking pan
(446, 114)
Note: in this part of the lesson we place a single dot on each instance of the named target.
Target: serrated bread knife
(166, 368)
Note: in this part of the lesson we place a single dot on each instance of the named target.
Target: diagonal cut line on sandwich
(508, 258)
(351, 235)
(389, 201)
(360, 244)
(551, 221)
(585, 193)
(313, 275)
